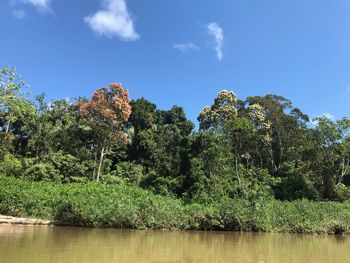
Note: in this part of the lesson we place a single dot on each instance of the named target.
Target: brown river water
(25, 244)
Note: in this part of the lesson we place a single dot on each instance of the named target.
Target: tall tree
(143, 114)
(15, 106)
(106, 114)
(162, 150)
(331, 156)
(241, 127)
(223, 109)
(286, 123)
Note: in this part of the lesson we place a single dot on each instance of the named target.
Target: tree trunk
(273, 164)
(98, 173)
(7, 127)
(237, 150)
(344, 164)
(94, 170)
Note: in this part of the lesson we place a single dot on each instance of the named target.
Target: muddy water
(24, 244)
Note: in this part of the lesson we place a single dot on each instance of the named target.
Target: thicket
(109, 205)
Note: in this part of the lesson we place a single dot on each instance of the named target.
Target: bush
(42, 172)
(128, 172)
(105, 205)
(11, 165)
(295, 184)
(67, 165)
(343, 192)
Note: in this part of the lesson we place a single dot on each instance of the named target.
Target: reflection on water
(69, 245)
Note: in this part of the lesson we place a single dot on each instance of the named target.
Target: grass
(119, 206)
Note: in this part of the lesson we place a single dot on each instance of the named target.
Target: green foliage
(15, 109)
(258, 184)
(105, 205)
(295, 183)
(161, 185)
(162, 150)
(245, 153)
(68, 165)
(42, 172)
(127, 172)
(14, 105)
(143, 114)
(211, 173)
(11, 166)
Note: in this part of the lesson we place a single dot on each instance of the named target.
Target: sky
(183, 52)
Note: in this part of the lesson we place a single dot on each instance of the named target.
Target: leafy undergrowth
(102, 205)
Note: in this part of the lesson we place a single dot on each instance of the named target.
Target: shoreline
(11, 220)
(22, 221)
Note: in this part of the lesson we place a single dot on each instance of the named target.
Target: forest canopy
(253, 148)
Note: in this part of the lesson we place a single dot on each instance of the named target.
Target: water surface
(24, 244)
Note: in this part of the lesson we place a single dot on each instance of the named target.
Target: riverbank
(119, 206)
(10, 220)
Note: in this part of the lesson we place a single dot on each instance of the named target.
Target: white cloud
(19, 14)
(327, 115)
(41, 5)
(113, 21)
(216, 31)
(184, 47)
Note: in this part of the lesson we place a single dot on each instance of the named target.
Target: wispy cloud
(184, 47)
(327, 115)
(113, 21)
(217, 33)
(18, 13)
(40, 5)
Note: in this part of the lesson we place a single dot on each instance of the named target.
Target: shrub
(42, 172)
(67, 165)
(295, 184)
(128, 172)
(105, 205)
(11, 165)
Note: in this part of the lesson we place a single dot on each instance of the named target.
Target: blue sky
(183, 52)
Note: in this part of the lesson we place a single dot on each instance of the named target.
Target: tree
(162, 151)
(210, 177)
(223, 109)
(143, 114)
(175, 116)
(286, 126)
(241, 129)
(53, 128)
(159, 144)
(14, 105)
(331, 154)
(106, 114)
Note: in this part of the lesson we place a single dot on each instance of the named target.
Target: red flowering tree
(106, 113)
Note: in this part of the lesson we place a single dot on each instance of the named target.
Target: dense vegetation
(118, 205)
(245, 154)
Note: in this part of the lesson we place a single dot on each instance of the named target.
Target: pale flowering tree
(258, 118)
(243, 129)
(106, 114)
(223, 109)
(222, 117)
